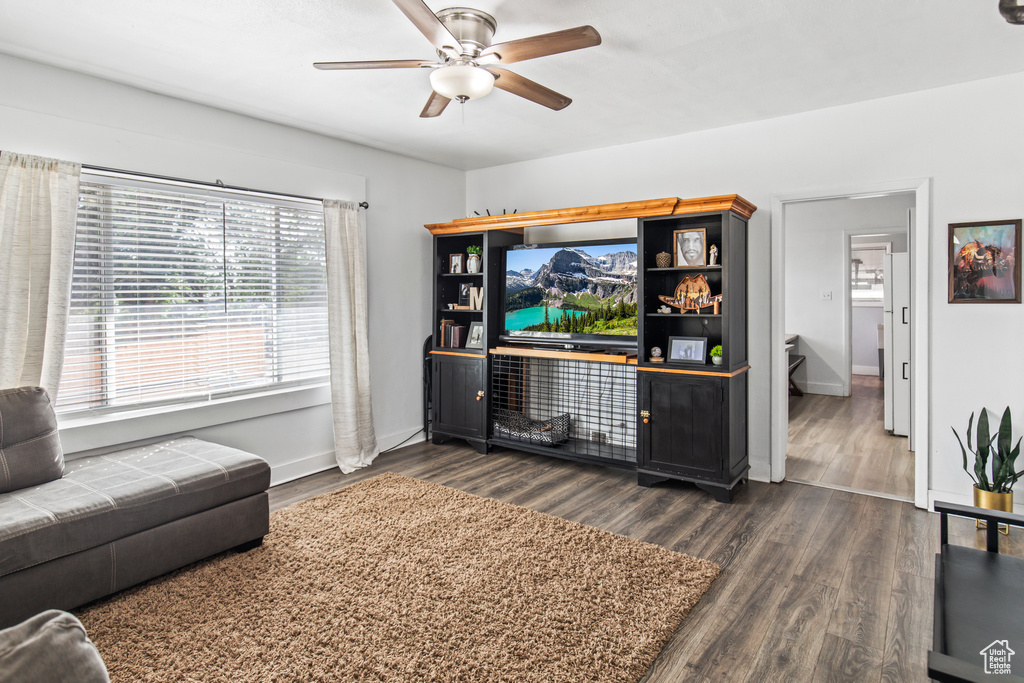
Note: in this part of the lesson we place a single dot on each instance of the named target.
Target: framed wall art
(984, 262)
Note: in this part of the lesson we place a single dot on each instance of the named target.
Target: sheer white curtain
(38, 206)
(355, 444)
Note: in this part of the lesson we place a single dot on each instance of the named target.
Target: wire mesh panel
(585, 408)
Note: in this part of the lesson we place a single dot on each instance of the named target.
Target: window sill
(92, 432)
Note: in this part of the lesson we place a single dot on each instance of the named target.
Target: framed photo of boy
(687, 350)
(455, 263)
(984, 262)
(690, 248)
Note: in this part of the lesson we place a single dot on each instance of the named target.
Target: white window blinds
(182, 294)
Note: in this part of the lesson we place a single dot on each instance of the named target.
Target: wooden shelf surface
(564, 355)
(668, 206)
(680, 268)
(459, 351)
(680, 371)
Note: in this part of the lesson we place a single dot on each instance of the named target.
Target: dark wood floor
(842, 441)
(817, 584)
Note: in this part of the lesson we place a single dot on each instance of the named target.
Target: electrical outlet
(826, 295)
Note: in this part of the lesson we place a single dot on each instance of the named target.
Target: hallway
(841, 442)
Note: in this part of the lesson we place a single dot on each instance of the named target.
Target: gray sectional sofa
(73, 532)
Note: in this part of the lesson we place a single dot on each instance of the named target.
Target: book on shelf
(445, 324)
(452, 335)
(458, 336)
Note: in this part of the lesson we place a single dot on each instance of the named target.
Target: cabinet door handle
(646, 415)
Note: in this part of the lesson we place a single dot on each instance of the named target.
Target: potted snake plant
(993, 470)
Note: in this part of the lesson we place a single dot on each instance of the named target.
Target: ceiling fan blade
(524, 87)
(379, 64)
(543, 45)
(435, 105)
(430, 26)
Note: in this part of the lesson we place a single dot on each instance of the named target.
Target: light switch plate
(826, 295)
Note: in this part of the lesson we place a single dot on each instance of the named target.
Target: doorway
(833, 417)
(845, 436)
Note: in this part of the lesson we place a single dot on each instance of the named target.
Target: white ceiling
(665, 66)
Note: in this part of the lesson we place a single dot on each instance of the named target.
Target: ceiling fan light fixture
(1012, 10)
(461, 82)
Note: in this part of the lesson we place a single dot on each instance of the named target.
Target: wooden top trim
(565, 355)
(667, 206)
(455, 353)
(706, 373)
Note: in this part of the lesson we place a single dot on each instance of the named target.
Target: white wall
(958, 136)
(816, 233)
(864, 333)
(57, 113)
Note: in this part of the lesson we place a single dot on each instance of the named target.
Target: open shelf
(681, 268)
(461, 274)
(683, 315)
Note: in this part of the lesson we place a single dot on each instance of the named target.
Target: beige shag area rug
(396, 579)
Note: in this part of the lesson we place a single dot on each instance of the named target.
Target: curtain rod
(218, 183)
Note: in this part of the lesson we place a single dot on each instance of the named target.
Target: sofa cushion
(51, 646)
(30, 450)
(104, 497)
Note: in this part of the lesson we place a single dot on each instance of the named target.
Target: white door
(887, 371)
(898, 293)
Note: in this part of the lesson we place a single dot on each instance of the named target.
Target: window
(185, 294)
(866, 271)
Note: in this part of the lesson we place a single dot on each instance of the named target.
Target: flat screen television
(578, 295)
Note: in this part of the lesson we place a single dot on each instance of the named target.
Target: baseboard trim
(821, 388)
(321, 462)
(303, 467)
(865, 370)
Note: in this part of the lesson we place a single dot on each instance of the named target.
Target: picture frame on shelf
(689, 248)
(690, 350)
(475, 340)
(455, 263)
(984, 262)
(464, 288)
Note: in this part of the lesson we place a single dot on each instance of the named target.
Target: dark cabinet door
(460, 405)
(683, 434)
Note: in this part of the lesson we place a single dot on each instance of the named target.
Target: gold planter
(990, 500)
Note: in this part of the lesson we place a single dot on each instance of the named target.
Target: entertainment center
(598, 351)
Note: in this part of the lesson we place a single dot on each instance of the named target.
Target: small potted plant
(473, 260)
(993, 470)
(716, 355)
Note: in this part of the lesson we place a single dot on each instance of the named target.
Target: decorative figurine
(692, 294)
(665, 310)
(656, 355)
(713, 255)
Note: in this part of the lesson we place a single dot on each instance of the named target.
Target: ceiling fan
(470, 65)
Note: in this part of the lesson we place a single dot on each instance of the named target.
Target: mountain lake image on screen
(575, 290)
